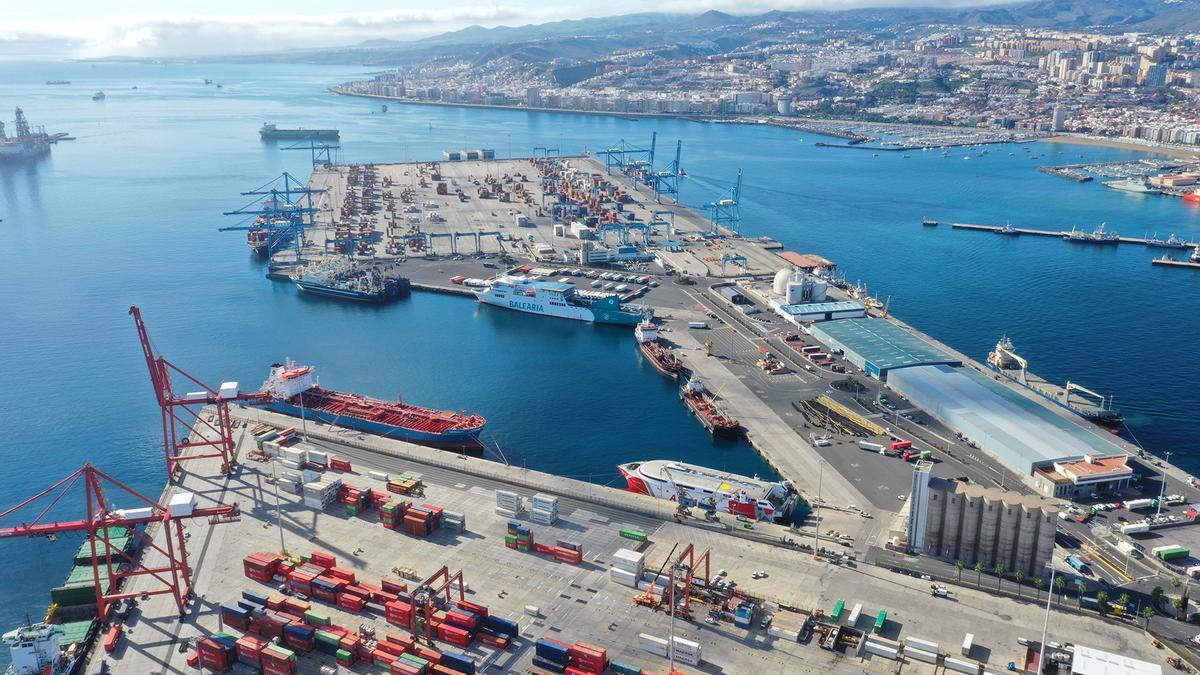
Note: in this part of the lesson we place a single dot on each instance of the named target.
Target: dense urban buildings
(1134, 86)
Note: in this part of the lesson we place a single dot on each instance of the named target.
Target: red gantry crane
(183, 426)
(424, 598)
(171, 575)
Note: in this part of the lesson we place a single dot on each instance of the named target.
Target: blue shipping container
(458, 662)
(300, 630)
(624, 668)
(255, 596)
(555, 652)
(549, 665)
(235, 610)
(500, 625)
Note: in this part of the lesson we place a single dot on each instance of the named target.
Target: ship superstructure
(1100, 235)
(295, 390)
(35, 650)
(708, 489)
(342, 279)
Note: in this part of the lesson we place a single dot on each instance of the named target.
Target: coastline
(1121, 144)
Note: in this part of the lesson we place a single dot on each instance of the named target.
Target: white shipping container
(318, 457)
(316, 488)
(920, 644)
(687, 659)
(314, 503)
(145, 512)
(968, 643)
(881, 650)
(622, 577)
(506, 496)
(294, 466)
(294, 454)
(270, 449)
(532, 610)
(629, 554)
(289, 486)
(626, 566)
(309, 476)
(682, 643)
(228, 390)
(920, 655)
(505, 513)
(958, 665)
(549, 500)
(379, 475)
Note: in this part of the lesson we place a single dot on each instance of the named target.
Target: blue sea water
(128, 214)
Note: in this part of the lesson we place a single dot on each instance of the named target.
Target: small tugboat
(700, 400)
(929, 223)
(660, 356)
(1008, 230)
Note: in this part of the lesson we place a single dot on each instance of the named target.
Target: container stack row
(508, 504)
(627, 567)
(577, 659)
(544, 509)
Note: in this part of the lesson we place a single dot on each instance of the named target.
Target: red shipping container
(479, 610)
(366, 652)
(390, 586)
(382, 657)
(276, 601)
(443, 670)
(294, 606)
(350, 602)
(351, 643)
(571, 670)
(193, 660)
(598, 651)
(492, 640)
(339, 573)
(430, 655)
(235, 622)
(323, 559)
(403, 641)
(355, 589)
(288, 617)
(389, 647)
(250, 647)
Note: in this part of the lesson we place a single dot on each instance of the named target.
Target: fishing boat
(929, 223)
(701, 401)
(341, 279)
(1100, 235)
(1170, 242)
(294, 390)
(1008, 230)
(660, 356)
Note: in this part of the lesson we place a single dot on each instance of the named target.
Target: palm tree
(1123, 600)
(1039, 583)
(1177, 603)
(1060, 583)
(999, 570)
(1020, 577)
(978, 573)
(959, 565)
(1082, 590)
(1175, 582)
(1147, 612)
(1102, 602)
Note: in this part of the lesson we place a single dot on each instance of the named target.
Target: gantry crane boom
(173, 574)
(181, 414)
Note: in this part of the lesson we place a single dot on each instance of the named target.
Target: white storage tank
(782, 277)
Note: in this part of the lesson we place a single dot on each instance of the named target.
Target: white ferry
(552, 298)
(708, 489)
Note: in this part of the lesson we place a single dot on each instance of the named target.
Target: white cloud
(195, 34)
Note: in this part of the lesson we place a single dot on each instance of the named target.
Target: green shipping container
(388, 509)
(305, 558)
(413, 658)
(313, 619)
(510, 538)
(521, 547)
(636, 535)
(352, 509)
(283, 652)
(344, 657)
(327, 637)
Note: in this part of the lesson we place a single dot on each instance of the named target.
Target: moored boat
(1100, 235)
(700, 400)
(558, 299)
(295, 390)
(660, 356)
(708, 489)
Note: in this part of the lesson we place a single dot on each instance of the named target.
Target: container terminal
(834, 391)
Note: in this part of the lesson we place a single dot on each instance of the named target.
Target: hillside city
(1133, 86)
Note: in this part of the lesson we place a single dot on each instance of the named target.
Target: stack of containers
(326, 642)
(321, 494)
(339, 464)
(355, 499)
(215, 654)
(497, 632)
(318, 458)
(686, 651)
(544, 509)
(292, 458)
(627, 567)
(235, 616)
(398, 613)
(437, 511)
(419, 521)
(519, 537)
(299, 637)
(587, 659)
(391, 513)
(420, 665)
(454, 634)
(459, 663)
(403, 485)
(568, 552)
(278, 661)
(456, 522)
(652, 644)
(508, 504)
(261, 566)
(249, 649)
(551, 655)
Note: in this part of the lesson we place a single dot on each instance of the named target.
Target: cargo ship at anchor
(713, 491)
(700, 400)
(659, 355)
(552, 298)
(295, 390)
(270, 132)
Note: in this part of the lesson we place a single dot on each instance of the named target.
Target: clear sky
(90, 28)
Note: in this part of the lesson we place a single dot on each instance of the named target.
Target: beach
(1123, 144)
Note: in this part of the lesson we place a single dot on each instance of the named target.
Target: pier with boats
(1100, 235)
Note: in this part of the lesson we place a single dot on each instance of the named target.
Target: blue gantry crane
(277, 217)
(725, 212)
(667, 182)
(629, 159)
(321, 152)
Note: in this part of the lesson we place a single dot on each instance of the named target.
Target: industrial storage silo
(782, 277)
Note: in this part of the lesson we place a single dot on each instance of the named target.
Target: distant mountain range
(713, 31)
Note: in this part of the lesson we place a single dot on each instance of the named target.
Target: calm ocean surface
(128, 214)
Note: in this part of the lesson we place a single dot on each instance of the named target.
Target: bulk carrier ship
(294, 390)
(713, 491)
(270, 132)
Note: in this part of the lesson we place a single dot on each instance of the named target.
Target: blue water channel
(128, 214)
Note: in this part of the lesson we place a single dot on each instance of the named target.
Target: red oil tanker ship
(700, 400)
(660, 356)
